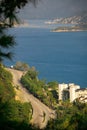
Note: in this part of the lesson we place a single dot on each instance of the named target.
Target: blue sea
(60, 57)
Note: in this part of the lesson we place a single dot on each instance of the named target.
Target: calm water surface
(58, 57)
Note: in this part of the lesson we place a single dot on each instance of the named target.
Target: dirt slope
(41, 113)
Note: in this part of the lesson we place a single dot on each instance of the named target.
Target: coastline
(68, 30)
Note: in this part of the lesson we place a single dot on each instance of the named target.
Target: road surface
(41, 113)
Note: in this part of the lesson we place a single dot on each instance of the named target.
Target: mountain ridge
(80, 19)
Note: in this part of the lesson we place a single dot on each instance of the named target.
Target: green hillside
(14, 115)
(45, 92)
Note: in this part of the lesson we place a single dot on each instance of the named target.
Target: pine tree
(8, 15)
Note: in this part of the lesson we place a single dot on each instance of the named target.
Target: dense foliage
(13, 114)
(45, 92)
(69, 117)
(6, 88)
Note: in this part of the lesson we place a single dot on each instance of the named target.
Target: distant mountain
(78, 23)
(81, 19)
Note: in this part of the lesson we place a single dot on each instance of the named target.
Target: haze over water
(57, 56)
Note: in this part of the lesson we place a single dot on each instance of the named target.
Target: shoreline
(68, 30)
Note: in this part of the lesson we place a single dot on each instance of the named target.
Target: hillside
(81, 19)
(74, 23)
(19, 108)
(14, 115)
(23, 95)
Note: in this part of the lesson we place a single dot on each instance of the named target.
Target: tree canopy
(9, 9)
(8, 15)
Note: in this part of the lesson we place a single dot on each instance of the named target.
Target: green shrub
(6, 88)
(13, 114)
(39, 88)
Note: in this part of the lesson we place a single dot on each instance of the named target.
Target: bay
(57, 56)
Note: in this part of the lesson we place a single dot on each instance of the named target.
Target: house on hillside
(72, 92)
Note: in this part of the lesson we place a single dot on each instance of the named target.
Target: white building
(72, 92)
(62, 87)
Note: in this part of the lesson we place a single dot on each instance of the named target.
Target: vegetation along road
(41, 113)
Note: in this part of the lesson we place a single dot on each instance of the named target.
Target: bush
(13, 114)
(6, 88)
(21, 66)
(39, 88)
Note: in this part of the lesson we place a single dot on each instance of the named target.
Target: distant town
(74, 23)
(81, 19)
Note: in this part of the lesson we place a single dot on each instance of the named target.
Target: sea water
(60, 57)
